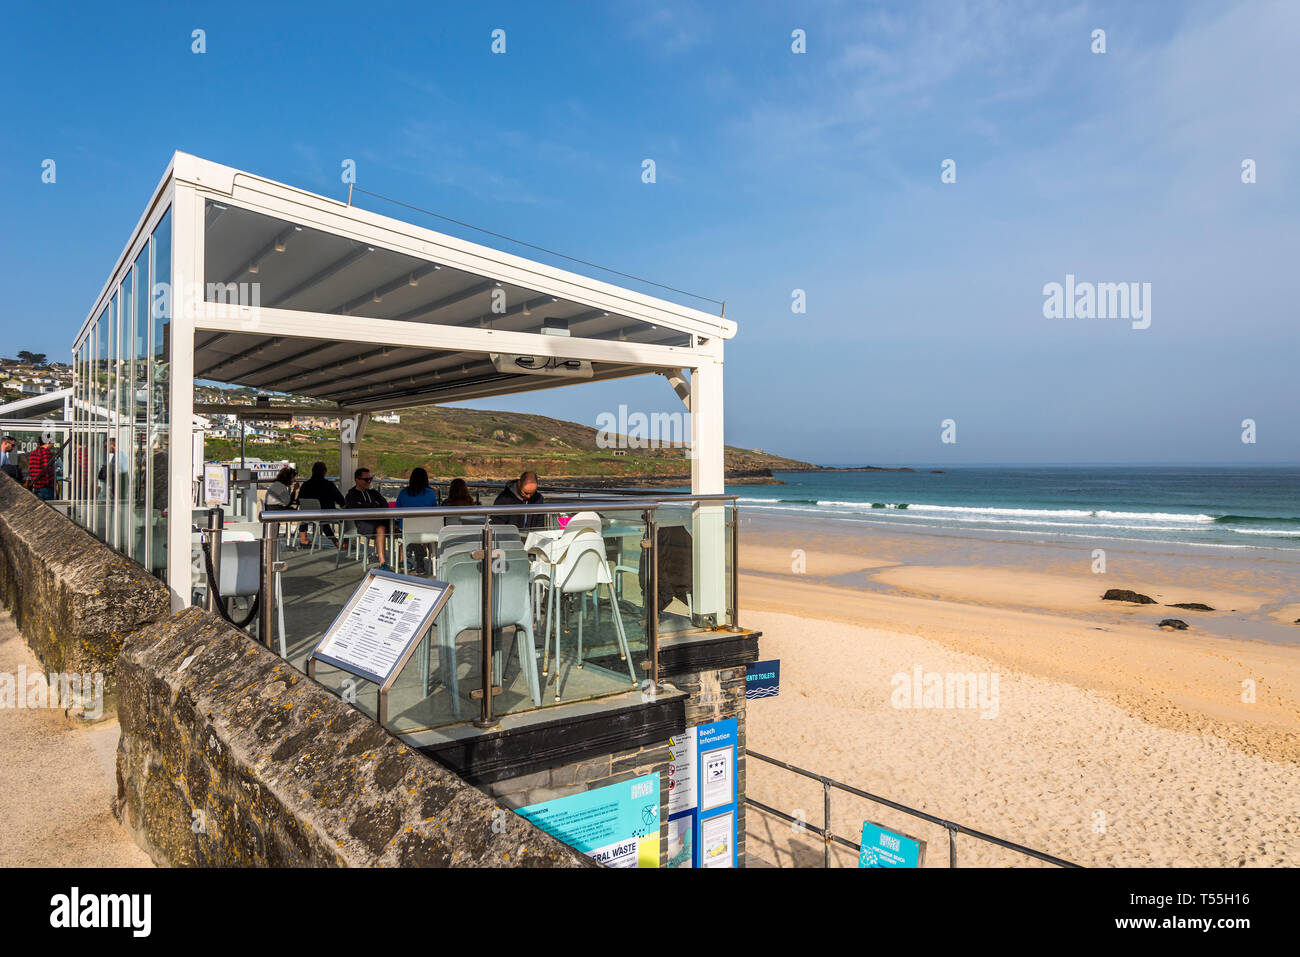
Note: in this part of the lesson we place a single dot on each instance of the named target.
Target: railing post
(826, 823)
(485, 666)
(215, 522)
(952, 846)
(651, 598)
(266, 581)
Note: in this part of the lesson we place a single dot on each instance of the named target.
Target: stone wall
(229, 757)
(74, 598)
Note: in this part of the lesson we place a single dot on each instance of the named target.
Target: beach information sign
(882, 848)
(715, 776)
(763, 679)
(617, 825)
(381, 624)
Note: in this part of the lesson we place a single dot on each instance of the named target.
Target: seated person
(322, 490)
(522, 492)
(281, 493)
(458, 496)
(417, 494)
(361, 495)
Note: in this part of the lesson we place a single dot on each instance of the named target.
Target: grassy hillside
(481, 445)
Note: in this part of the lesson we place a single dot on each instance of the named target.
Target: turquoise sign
(881, 848)
(617, 825)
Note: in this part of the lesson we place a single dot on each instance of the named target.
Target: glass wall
(159, 390)
(139, 414)
(121, 410)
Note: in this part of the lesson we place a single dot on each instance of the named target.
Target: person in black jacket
(362, 495)
(522, 492)
(321, 489)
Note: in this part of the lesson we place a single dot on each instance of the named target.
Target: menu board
(377, 629)
(216, 484)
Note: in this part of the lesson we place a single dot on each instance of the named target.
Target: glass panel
(111, 456)
(159, 391)
(597, 597)
(123, 458)
(100, 433)
(139, 405)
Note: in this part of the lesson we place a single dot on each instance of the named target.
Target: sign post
(378, 629)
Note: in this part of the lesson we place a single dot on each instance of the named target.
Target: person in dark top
(458, 494)
(321, 489)
(361, 495)
(522, 492)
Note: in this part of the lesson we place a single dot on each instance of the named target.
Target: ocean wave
(1256, 519)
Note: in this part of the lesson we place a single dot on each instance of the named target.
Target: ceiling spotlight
(279, 245)
(253, 268)
(414, 280)
(376, 297)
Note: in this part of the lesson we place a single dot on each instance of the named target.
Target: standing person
(40, 470)
(522, 492)
(322, 490)
(418, 494)
(361, 495)
(9, 459)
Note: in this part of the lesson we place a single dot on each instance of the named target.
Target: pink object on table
(563, 520)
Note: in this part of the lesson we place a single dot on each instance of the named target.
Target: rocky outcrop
(229, 757)
(1123, 594)
(1174, 623)
(74, 598)
(1192, 606)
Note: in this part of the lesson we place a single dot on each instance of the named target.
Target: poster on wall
(702, 796)
(617, 825)
(682, 799)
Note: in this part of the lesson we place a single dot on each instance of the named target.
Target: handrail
(952, 827)
(373, 514)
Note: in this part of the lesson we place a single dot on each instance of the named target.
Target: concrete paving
(57, 782)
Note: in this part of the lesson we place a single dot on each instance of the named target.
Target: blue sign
(763, 679)
(715, 778)
(881, 848)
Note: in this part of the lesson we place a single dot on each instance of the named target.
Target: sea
(1222, 507)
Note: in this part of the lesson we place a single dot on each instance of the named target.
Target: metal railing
(271, 564)
(828, 837)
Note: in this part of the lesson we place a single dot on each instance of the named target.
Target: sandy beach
(1100, 737)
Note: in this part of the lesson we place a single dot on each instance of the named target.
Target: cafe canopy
(232, 278)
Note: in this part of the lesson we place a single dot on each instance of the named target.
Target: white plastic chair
(581, 569)
(463, 612)
(313, 528)
(420, 531)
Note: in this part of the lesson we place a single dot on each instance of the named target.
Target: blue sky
(775, 171)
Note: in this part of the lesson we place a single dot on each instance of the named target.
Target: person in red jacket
(40, 470)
